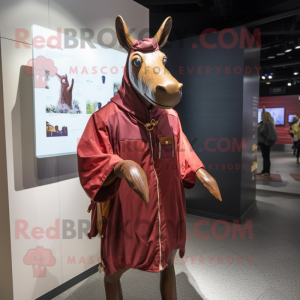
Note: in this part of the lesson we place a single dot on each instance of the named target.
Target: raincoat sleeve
(96, 160)
(188, 160)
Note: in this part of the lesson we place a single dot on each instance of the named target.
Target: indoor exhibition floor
(284, 164)
(265, 267)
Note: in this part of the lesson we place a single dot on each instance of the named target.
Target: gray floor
(283, 163)
(273, 274)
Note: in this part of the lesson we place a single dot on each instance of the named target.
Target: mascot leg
(168, 280)
(112, 284)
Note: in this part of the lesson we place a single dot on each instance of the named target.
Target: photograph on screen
(66, 103)
(277, 114)
(291, 117)
(92, 107)
(56, 131)
(70, 84)
(116, 87)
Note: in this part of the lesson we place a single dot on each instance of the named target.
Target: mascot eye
(164, 61)
(137, 62)
(64, 81)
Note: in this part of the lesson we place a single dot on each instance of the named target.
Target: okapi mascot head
(134, 148)
(148, 75)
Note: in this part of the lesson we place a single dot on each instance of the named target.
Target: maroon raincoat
(138, 235)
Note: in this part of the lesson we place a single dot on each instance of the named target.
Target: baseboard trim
(248, 211)
(280, 148)
(206, 214)
(284, 193)
(65, 286)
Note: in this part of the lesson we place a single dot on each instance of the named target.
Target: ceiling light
(292, 45)
(296, 71)
(289, 84)
(287, 47)
(270, 77)
(263, 77)
(268, 82)
(280, 51)
(271, 56)
(297, 45)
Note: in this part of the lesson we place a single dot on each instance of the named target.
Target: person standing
(295, 131)
(267, 136)
(294, 136)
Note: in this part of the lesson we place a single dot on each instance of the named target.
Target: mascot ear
(163, 32)
(264, 110)
(124, 37)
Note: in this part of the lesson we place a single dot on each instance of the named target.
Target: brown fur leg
(112, 285)
(168, 284)
(168, 280)
(113, 290)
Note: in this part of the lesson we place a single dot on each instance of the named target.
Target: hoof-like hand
(135, 177)
(209, 182)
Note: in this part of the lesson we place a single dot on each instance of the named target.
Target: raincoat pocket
(165, 147)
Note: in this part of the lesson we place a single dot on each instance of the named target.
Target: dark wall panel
(211, 113)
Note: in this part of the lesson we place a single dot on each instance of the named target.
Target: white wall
(6, 287)
(43, 190)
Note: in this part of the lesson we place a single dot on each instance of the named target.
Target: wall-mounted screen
(277, 114)
(290, 118)
(72, 79)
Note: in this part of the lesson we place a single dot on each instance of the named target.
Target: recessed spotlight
(281, 50)
(263, 77)
(270, 77)
(296, 71)
(268, 82)
(287, 47)
(271, 57)
(289, 84)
